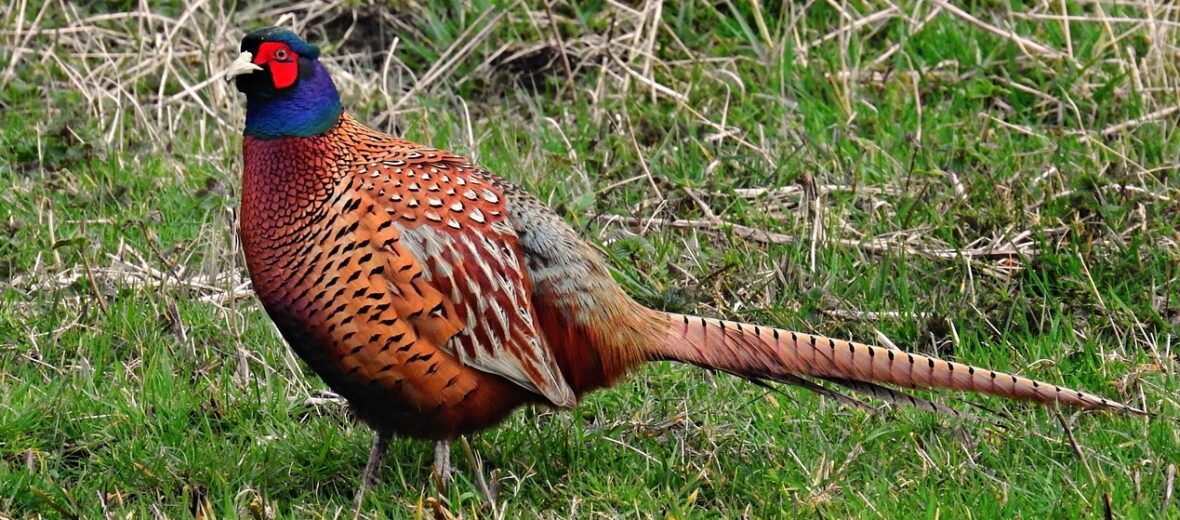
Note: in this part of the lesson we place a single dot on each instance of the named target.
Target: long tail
(758, 352)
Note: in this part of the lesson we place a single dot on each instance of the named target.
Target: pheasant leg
(442, 463)
(372, 474)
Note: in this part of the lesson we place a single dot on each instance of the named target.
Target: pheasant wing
(455, 264)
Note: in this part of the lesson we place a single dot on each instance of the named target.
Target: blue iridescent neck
(310, 107)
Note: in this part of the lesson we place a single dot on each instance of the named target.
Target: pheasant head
(288, 91)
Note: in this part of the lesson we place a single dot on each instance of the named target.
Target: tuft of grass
(990, 181)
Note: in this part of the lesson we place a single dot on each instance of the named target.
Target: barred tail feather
(892, 396)
(758, 352)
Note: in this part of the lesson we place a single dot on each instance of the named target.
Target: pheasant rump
(438, 298)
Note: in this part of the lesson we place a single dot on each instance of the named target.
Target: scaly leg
(442, 463)
(372, 474)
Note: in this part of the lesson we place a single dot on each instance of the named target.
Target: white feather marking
(501, 318)
(510, 260)
(493, 283)
(503, 228)
(429, 247)
(525, 316)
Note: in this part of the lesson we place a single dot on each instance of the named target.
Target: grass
(994, 183)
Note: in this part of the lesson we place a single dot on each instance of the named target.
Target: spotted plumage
(393, 271)
(437, 298)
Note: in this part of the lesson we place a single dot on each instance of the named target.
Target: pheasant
(437, 298)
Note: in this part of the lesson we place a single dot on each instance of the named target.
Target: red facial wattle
(284, 63)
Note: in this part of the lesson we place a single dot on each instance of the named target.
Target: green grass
(938, 186)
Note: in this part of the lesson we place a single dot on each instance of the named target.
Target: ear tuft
(257, 37)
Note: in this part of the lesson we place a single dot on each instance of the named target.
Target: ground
(996, 182)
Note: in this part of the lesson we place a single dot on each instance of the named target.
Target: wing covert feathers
(451, 223)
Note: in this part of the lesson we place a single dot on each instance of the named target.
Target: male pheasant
(438, 298)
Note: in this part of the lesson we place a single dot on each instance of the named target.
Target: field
(992, 181)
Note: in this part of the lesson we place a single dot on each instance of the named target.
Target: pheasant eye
(281, 55)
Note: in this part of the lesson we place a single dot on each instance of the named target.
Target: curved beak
(243, 65)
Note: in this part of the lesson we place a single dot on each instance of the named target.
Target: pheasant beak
(243, 65)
